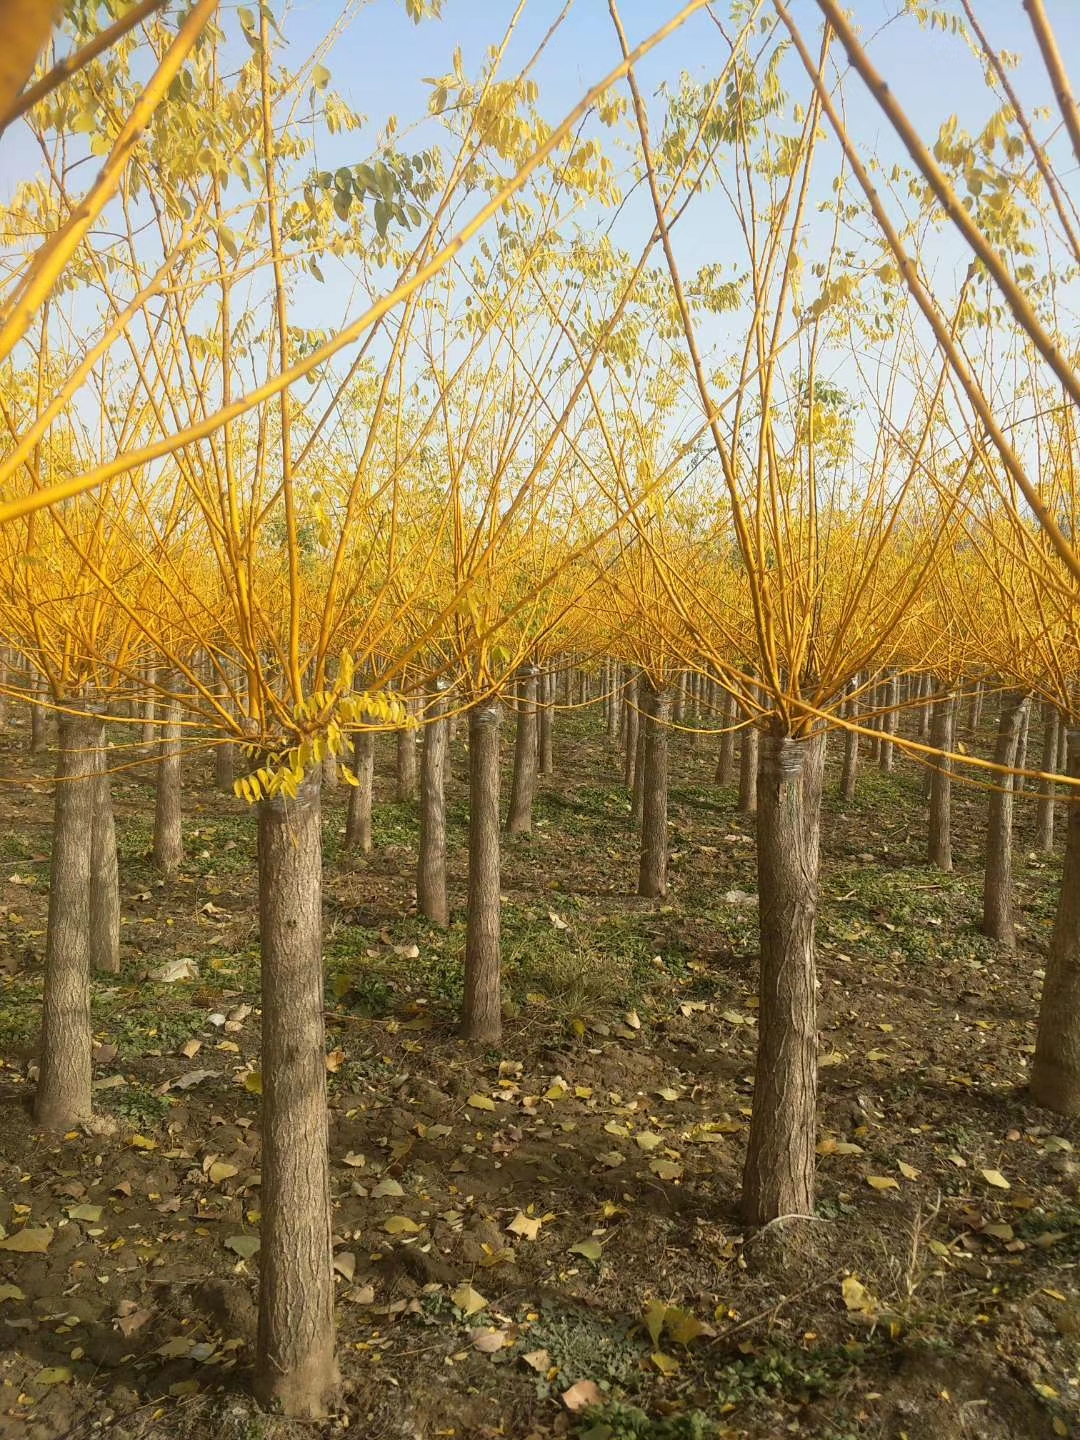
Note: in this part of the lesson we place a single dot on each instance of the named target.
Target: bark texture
(358, 818)
(295, 1366)
(482, 1011)
(725, 762)
(406, 766)
(168, 836)
(523, 785)
(997, 879)
(63, 1093)
(778, 1178)
(1055, 1071)
(547, 721)
(652, 869)
(939, 833)
(104, 875)
(431, 899)
(849, 774)
(1044, 811)
(630, 732)
(748, 768)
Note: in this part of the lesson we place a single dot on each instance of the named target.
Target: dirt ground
(544, 1240)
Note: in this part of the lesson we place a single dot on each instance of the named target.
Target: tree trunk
(1044, 813)
(725, 761)
(652, 869)
(523, 786)
(614, 702)
(850, 772)
(224, 754)
(406, 767)
(38, 725)
(1055, 1071)
(997, 879)
(748, 767)
(482, 1012)
(925, 710)
(104, 920)
(358, 817)
(1021, 750)
(547, 720)
(329, 771)
(630, 732)
(890, 691)
(778, 1178)
(149, 729)
(678, 699)
(63, 1093)
(637, 798)
(431, 899)
(295, 1366)
(168, 837)
(939, 835)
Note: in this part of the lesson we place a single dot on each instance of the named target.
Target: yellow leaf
(253, 1082)
(480, 1102)
(468, 1300)
(29, 1242)
(525, 1226)
(221, 1170)
(143, 1142)
(908, 1171)
(401, 1225)
(882, 1182)
(995, 1177)
(666, 1364)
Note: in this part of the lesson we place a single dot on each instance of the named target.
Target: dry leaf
(995, 1177)
(335, 1060)
(908, 1171)
(882, 1182)
(468, 1300)
(538, 1360)
(480, 1102)
(648, 1140)
(525, 1226)
(582, 1395)
(29, 1242)
(489, 1341)
(221, 1170)
(401, 1225)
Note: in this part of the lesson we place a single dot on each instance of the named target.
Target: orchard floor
(575, 1190)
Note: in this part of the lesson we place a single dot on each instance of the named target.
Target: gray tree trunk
(63, 1092)
(104, 875)
(358, 816)
(652, 869)
(482, 1010)
(1044, 812)
(168, 836)
(1055, 1070)
(725, 761)
(778, 1178)
(997, 878)
(523, 786)
(431, 898)
(939, 833)
(295, 1365)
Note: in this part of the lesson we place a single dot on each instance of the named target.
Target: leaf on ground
(831, 1146)
(525, 1226)
(610, 1158)
(335, 1060)
(582, 1394)
(667, 1169)
(468, 1300)
(388, 1186)
(130, 1320)
(908, 1171)
(143, 1142)
(996, 1178)
(253, 1082)
(480, 1102)
(29, 1242)
(882, 1182)
(221, 1170)
(401, 1225)
(668, 1092)
(243, 1245)
(345, 1264)
(857, 1298)
(538, 1360)
(489, 1341)
(92, 1213)
(588, 1249)
(666, 1364)
(357, 1162)
(53, 1375)
(11, 1292)
(648, 1140)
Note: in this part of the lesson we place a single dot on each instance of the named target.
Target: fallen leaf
(525, 1226)
(480, 1102)
(589, 1249)
(648, 1140)
(29, 1242)
(908, 1171)
(143, 1142)
(253, 1082)
(995, 1177)
(401, 1225)
(489, 1341)
(468, 1300)
(666, 1364)
(581, 1395)
(538, 1360)
(666, 1169)
(93, 1213)
(11, 1292)
(882, 1182)
(53, 1375)
(387, 1186)
(221, 1170)
(243, 1245)
(857, 1298)
(131, 1320)
(335, 1060)
(345, 1264)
